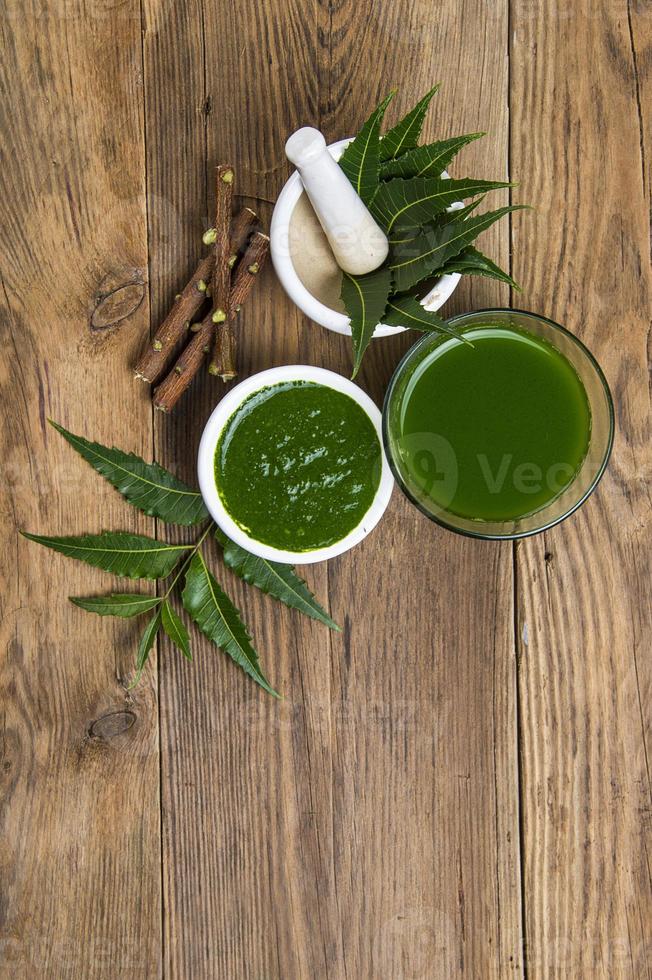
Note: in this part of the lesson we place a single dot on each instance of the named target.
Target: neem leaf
(365, 300)
(275, 579)
(131, 555)
(407, 203)
(407, 311)
(175, 629)
(217, 617)
(412, 261)
(116, 604)
(427, 161)
(457, 214)
(147, 486)
(473, 262)
(403, 235)
(405, 134)
(361, 159)
(145, 646)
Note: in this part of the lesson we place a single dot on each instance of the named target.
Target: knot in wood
(118, 297)
(112, 724)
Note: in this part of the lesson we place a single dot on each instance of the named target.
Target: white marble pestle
(358, 243)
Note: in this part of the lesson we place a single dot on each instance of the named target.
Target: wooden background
(459, 784)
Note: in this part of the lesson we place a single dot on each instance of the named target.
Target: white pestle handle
(358, 243)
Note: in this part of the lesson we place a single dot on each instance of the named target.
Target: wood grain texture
(429, 673)
(79, 851)
(246, 782)
(293, 854)
(585, 616)
(459, 784)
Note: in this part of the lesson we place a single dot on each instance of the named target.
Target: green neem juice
(493, 431)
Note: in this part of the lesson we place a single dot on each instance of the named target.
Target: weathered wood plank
(585, 617)
(79, 860)
(261, 876)
(367, 825)
(425, 792)
(246, 780)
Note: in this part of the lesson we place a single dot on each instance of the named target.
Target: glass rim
(508, 535)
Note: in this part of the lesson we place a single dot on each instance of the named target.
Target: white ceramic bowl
(206, 462)
(284, 267)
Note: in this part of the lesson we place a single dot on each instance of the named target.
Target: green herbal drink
(493, 431)
(298, 465)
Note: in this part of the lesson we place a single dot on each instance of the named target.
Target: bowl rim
(292, 284)
(215, 425)
(513, 535)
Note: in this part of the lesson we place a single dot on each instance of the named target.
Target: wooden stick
(222, 269)
(241, 229)
(160, 350)
(224, 359)
(173, 386)
(247, 271)
(223, 362)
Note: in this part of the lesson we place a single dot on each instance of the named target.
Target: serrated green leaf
(405, 134)
(147, 486)
(275, 579)
(407, 311)
(408, 203)
(412, 261)
(217, 617)
(472, 262)
(365, 301)
(130, 555)
(427, 161)
(458, 214)
(145, 646)
(175, 629)
(361, 159)
(116, 604)
(403, 235)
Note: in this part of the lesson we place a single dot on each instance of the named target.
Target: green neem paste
(298, 465)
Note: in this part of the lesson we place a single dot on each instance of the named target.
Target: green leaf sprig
(158, 493)
(430, 235)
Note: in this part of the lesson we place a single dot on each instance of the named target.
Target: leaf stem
(188, 559)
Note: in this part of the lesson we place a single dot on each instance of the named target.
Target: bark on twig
(223, 362)
(160, 350)
(222, 268)
(172, 388)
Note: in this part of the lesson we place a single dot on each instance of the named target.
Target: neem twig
(160, 349)
(241, 229)
(223, 362)
(222, 268)
(173, 386)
